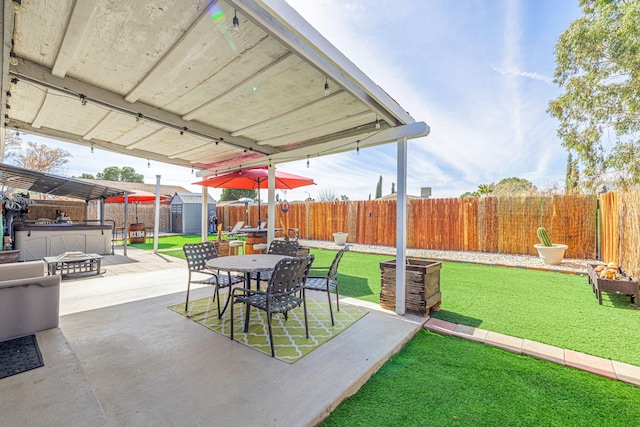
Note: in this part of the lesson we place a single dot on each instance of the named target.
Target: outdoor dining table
(247, 264)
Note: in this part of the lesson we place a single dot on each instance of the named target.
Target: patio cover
(176, 82)
(213, 85)
(46, 183)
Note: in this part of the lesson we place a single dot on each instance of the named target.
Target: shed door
(176, 218)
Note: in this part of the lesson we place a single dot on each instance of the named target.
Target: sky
(478, 72)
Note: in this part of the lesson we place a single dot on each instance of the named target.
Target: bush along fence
(490, 224)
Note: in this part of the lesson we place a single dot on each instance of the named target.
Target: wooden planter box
(626, 285)
(422, 292)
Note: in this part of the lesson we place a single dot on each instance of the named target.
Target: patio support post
(271, 207)
(204, 231)
(101, 210)
(126, 224)
(401, 226)
(156, 220)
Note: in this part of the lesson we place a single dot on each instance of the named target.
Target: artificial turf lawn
(446, 381)
(552, 308)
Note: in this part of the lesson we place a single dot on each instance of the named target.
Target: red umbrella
(252, 179)
(256, 178)
(137, 196)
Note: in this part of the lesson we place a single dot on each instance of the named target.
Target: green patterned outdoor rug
(288, 337)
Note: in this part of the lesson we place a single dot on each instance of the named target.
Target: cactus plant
(544, 237)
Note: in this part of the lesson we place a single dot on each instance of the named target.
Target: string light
(148, 163)
(326, 86)
(357, 147)
(377, 122)
(92, 147)
(236, 21)
(83, 99)
(307, 162)
(191, 170)
(139, 117)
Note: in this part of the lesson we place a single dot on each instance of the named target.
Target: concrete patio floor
(121, 358)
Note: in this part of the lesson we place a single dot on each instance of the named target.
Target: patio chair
(326, 279)
(283, 247)
(278, 247)
(197, 255)
(284, 292)
(235, 231)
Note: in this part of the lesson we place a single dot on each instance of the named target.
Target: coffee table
(73, 262)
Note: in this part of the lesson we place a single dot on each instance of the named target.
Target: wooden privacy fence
(490, 224)
(76, 210)
(620, 229)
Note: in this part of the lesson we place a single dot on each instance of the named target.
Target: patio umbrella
(255, 179)
(137, 196)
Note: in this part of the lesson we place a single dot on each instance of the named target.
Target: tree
(327, 195)
(484, 190)
(12, 144)
(41, 158)
(469, 194)
(393, 188)
(509, 187)
(344, 197)
(229, 194)
(597, 63)
(572, 177)
(514, 187)
(126, 174)
(85, 176)
(379, 188)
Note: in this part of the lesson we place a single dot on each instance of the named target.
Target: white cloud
(462, 67)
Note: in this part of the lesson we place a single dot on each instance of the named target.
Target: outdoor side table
(71, 263)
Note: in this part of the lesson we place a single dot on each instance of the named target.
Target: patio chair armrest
(246, 291)
(318, 270)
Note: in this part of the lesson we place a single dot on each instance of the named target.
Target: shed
(186, 212)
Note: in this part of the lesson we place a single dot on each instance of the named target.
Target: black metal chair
(197, 255)
(328, 280)
(283, 247)
(278, 247)
(284, 292)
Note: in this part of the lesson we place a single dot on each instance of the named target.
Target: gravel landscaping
(578, 266)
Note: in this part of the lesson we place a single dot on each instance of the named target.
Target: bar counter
(37, 241)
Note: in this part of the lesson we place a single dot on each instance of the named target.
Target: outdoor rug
(288, 337)
(19, 355)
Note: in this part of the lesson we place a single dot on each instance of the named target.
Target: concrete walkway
(121, 358)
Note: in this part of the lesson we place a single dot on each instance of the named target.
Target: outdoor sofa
(29, 299)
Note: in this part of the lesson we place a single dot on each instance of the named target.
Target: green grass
(445, 381)
(172, 245)
(552, 308)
